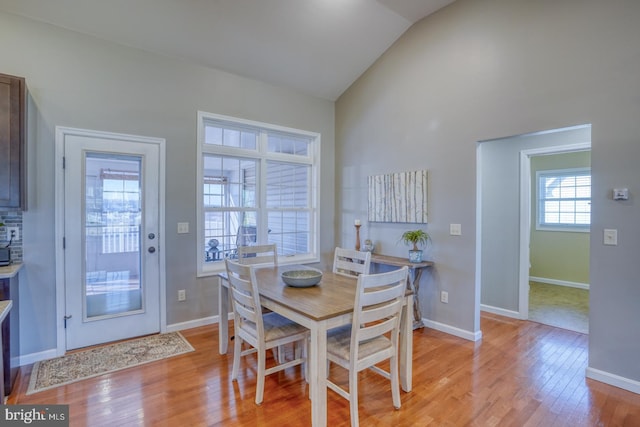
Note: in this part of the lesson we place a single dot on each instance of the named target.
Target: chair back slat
(368, 333)
(258, 254)
(349, 262)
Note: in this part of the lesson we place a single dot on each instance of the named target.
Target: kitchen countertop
(10, 271)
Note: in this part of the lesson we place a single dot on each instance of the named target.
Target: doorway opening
(507, 215)
(559, 235)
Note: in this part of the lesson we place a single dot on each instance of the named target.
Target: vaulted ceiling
(319, 47)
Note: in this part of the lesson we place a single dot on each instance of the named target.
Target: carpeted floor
(79, 365)
(559, 306)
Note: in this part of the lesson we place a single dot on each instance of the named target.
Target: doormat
(101, 360)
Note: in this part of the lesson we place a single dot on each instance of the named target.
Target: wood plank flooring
(521, 374)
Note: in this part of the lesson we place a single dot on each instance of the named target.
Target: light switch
(183, 227)
(610, 236)
(455, 229)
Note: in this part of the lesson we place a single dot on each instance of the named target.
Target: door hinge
(64, 162)
(64, 243)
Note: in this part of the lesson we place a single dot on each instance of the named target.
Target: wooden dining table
(319, 308)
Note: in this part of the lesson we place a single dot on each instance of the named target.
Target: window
(113, 209)
(257, 185)
(564, 199)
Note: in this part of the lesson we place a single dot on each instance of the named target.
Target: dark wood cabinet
(13, 142)
(10, 333)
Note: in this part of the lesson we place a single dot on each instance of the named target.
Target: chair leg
(261, 368)
(237, 349)
(395, 382)
(281, 353)
(353, 397)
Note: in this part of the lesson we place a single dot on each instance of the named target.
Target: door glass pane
(112, 238)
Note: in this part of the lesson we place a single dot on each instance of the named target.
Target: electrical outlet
(13, 233)
(182, 295)
(444, 297)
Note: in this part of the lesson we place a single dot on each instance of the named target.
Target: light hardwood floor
(520, 374)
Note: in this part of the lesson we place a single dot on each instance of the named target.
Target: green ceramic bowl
(301, 278)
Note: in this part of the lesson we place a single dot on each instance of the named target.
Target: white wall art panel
(398, 197)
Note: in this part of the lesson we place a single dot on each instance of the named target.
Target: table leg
(414, 284)
(406, 346)
(223, 314)
(318, 376)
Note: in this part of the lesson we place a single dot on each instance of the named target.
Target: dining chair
(260, 331)
(258, 254)
(373, 335)
(262, 254)
(348, 262)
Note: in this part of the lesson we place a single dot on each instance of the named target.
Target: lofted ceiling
(318, 47)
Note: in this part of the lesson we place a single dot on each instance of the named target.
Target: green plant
(415, 238)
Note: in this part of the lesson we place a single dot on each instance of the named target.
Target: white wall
(78, 81)
(485, 69)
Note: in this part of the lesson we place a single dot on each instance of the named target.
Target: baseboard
(452, 330)
(614, 380)
(196, 323)
(28, 359)
(500, 311)
(559, 282)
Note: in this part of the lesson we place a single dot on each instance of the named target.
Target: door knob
(152, 236)
(151, 249)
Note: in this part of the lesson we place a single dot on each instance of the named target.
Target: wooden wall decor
(398, 197)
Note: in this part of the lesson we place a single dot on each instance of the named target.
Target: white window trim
(578, 228)
(209, 269)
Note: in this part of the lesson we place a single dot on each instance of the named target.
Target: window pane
(217, 134)
(237, 181)
(219, 237)
(567, 192)
(288, 144)
(287, 185)
(289, 231)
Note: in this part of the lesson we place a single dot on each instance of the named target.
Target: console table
(413, 281)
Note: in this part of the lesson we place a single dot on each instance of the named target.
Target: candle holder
(357, 237)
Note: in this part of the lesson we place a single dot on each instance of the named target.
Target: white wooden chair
(349, 262)
(266, 255)
(373, 335)
(258, 254)
(260, 331)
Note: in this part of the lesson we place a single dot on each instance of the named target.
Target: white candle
(357, 222)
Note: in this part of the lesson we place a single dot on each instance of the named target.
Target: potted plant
(415, 238)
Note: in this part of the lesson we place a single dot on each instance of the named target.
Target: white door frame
(525, 215)
(61, 134)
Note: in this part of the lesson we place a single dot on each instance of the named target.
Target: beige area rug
(96, 361)
(559, 306)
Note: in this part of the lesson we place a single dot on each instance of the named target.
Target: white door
(111, 238)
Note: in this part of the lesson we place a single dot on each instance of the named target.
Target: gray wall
(78, 81)
(484, 69)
